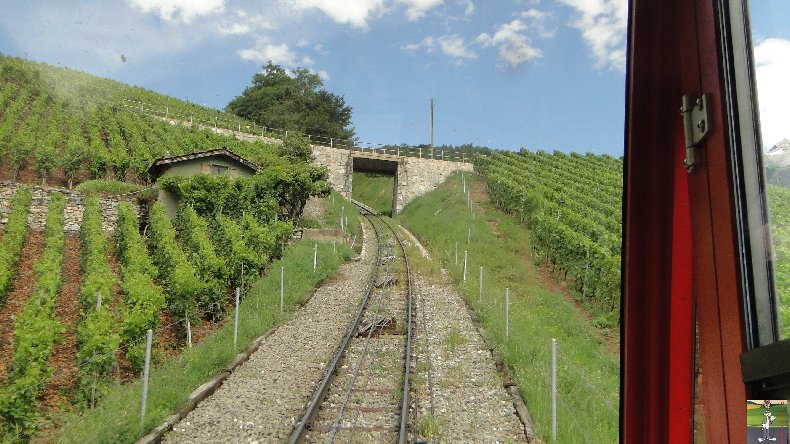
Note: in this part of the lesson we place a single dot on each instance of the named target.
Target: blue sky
(544, 74)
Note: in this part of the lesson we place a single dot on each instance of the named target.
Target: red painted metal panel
(722, 330)
(681, 333)
(679, 240)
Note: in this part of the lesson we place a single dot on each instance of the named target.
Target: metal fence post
(282, 287)
(148, 339)
(189, 333)
(507, 314)
(236, 320)
(465, 257)
(480, 287)
(553, 389)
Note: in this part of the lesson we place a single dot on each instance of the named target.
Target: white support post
(398, 150)
(282, 288)
(342, 215)
(465, 257)
(331, 142)
(507, 314)
(189, 333)
(334, 247)
(236, 321)
(480, 287)
(468, 235)
(148, 339)
(553, 389)
(315, 257)
(420, 152)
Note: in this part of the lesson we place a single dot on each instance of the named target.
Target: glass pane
(771, 46)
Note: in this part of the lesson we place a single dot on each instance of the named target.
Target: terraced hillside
(61, 126)
(76, 309)
(572, 204)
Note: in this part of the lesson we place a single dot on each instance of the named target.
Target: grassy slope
(588, 374)
(374, 190)
(116, 419)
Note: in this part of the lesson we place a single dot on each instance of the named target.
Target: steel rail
(312, 408)
(314, 405)
(403, 434)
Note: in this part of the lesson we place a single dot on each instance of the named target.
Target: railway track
(364, 395)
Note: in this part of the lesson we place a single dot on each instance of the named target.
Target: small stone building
(215, 162)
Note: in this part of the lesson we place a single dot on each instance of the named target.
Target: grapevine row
(35, 332)
(143, 298)
(97, 338)
(13, 239)
(571, 205)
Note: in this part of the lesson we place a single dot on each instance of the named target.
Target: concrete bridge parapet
(413, 176)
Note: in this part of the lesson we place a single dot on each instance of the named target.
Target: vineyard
(176, 277)
(60, 126)
(571, 204)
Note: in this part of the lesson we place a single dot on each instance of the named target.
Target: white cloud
(470, 8)
(179, 10)
(772, 59)
(453, 46)
(515, 46)
(450, 45)
(416, 9)
(603, 24)
(279, 54)
(234, 29)
(354, 13)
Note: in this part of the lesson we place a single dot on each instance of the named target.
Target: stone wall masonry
(337, 162)
(419, 176)
(74, 207)
(416, 176)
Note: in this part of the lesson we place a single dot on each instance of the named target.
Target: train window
(771, 48)
(760, 56)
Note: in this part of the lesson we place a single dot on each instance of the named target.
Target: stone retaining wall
(74, 206)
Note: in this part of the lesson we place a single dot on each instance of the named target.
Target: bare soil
(24, 284)
(64, 357)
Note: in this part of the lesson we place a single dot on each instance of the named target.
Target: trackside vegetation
(588, 373)
(116, 418)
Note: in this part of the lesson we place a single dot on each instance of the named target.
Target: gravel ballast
(264, 398)
(457, 392)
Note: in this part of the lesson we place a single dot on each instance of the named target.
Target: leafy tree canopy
(294, 101)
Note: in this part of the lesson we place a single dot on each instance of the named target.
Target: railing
(267, 132)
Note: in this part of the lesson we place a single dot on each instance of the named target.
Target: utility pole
(431, 128)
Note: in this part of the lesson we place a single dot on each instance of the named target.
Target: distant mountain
(777, 164)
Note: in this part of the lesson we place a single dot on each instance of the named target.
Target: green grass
(104, 186)
(588, 374)
(374, 190)
(117, 418)
(336, 205)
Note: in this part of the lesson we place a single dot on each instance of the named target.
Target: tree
(293, 101)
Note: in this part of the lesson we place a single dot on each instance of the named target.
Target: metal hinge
(696, 126)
